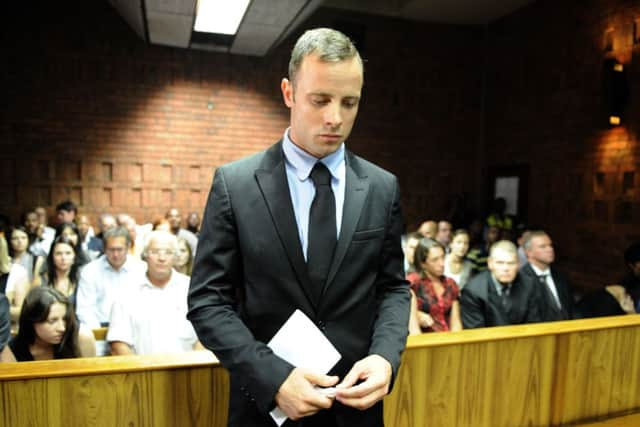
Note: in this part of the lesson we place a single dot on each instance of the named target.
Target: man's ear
(287, 92)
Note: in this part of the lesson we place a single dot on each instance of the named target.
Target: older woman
(436, 296)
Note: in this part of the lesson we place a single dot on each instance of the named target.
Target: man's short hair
(632, 253)
(330, 46)
(159, 235)
(118, 231)
(505, 246)
(533, 234)
(68, 206)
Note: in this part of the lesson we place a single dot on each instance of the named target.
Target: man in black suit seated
(555, 293)
(500, 296)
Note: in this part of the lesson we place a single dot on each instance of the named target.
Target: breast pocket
(363, 236)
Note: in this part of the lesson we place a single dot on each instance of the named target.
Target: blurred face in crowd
(107, 222)
(174, 218)
(635, 268)
(433, 266)
(428, 229)
(63, 256)
(493, 233)
(323, 102)
(19, 241)
(31, 222)
(460, 245)
(504, 265)
(193, 221)
(69, 233)
(444, 233)
(115, 249)
(51, 331)
(65, 216)
(83, 225)
(42, 214)
(410, 249)
(160, 256)
(130, 225)
(540, 251)
(182, 257)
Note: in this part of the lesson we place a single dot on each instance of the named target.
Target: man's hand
(297, 397)
(376, 373)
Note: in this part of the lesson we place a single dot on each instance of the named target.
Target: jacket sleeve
(392, 323)
(216, 282)
(471, 310)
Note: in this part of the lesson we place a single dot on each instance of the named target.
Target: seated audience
(632, 280)
(19, 252)
(48, 232)
(500, 296)
(35, 231)
(85, 231)
(193, 223)
(479, 255)
(443, 235)
(611, 300)
(63, 268)
(161, 224)
(48, 329)
(66, 212)
(456, 266)
(555, 292)
(428, 229)
(14, 281)
(150, 315)
(409, 250)
(521, 236)
(95, 247)
(70, 231)
(436, 296)
(498, 216)
(103, 278)
(175, 220)
(184, 257)
(128, 222)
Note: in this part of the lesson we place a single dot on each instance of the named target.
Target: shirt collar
(538, 271)
(147, 283)
(302, 162)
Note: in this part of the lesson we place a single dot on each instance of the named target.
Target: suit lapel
(272, 180)
(355, 194)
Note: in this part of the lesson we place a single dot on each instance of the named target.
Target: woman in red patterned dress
(436, 296)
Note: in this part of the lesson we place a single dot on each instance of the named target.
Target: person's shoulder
(249, 164)
(478, 282)
(362, 166)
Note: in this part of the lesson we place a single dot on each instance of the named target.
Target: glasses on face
(157, 252)
(115, 250)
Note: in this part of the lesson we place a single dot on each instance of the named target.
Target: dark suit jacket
(480, 304)
(549, 310)
(250, 275)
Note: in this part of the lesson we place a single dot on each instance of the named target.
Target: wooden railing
(529, 375)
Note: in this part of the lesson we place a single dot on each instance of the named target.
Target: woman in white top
(19, 252)
(14, 279)
(456, 265)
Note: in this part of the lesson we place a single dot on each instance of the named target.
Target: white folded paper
(301, 343)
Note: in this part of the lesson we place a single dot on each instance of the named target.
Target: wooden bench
(561, 373)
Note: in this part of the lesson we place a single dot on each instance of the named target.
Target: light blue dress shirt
(298, 165)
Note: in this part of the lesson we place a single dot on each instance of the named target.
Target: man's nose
(333, 115)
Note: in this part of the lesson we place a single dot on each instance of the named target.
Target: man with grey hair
(500, 296)
(305, 225)
(149, 316)
(103, 278)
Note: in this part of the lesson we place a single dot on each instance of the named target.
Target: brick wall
(546, 108)
(95, 115)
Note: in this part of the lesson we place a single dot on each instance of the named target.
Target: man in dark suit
(556, 299)
(500, 296)
(261, 255)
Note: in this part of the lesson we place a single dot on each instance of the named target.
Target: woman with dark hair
(47, 327)
(19, 251)
(63, 268)
(70, 230)
(436, 296)
(456, 265)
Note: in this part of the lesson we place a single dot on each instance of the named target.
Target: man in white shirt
(150, 316)
(557, 301)
(104, 277)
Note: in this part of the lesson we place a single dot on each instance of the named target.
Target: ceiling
(267, 22)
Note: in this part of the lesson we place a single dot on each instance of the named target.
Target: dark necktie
(322, 229)
(547, 289)
(505, 297)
